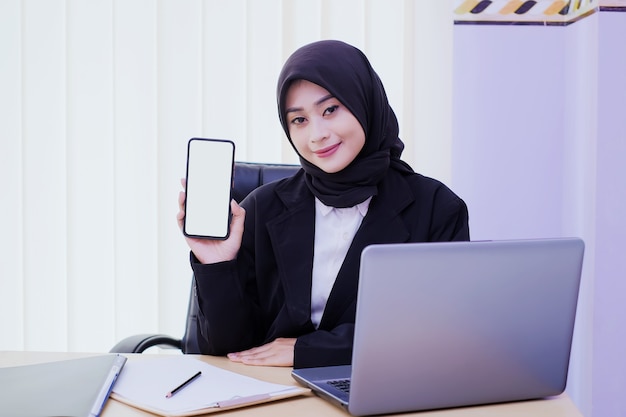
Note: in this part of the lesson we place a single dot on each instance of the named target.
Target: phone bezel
(193, 234)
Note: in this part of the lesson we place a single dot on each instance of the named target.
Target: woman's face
(323, 131)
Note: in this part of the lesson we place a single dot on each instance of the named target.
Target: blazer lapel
(382, 224)
(292, 235)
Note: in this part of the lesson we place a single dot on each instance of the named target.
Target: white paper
(145, 382)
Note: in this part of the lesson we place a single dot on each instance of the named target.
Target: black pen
(183, 385)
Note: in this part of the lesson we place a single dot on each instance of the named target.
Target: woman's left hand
(276, 353)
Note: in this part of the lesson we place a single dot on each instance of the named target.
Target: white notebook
(145, 383)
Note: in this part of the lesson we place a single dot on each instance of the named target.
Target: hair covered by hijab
(347, 74)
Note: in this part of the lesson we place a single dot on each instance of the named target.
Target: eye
(297, 120)
(331, 109)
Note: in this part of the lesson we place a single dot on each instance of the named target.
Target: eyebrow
(317, 103)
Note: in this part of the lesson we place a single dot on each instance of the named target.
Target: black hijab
(346, 73)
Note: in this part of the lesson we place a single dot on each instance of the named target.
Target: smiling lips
(328, 151)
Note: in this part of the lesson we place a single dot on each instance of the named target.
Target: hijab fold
(346, 73)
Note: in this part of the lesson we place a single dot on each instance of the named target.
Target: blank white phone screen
(209, 179)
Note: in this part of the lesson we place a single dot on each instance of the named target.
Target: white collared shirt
(334, 230)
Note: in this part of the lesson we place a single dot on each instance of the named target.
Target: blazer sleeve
(228, 315)
(324, 347)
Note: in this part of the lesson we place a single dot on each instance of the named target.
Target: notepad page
(146, 382)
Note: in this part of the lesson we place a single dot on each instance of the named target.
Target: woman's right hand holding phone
(211, 250)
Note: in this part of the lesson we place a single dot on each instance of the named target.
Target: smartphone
(210, 164)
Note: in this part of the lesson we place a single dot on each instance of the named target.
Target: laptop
(451, 324)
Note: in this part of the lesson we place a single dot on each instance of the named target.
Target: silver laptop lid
(461, 323)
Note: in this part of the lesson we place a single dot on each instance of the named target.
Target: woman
(282, 289)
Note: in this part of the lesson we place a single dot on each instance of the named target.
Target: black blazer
(266, 292)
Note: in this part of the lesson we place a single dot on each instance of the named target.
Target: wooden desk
(307, 405)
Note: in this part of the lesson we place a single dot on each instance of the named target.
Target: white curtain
(97, 101)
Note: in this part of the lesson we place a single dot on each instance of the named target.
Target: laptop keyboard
(341, 384)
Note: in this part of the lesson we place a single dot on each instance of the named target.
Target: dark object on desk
(75, 387)
(248, 176)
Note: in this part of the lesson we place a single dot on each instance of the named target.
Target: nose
(319, 130)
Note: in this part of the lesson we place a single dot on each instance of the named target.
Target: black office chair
(247, 177)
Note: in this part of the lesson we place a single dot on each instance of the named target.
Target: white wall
(609, 330)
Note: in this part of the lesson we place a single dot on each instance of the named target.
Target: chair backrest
(247, 177)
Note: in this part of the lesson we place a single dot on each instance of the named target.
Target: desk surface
(307, 405)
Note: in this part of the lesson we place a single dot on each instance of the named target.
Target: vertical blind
(97, 101)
